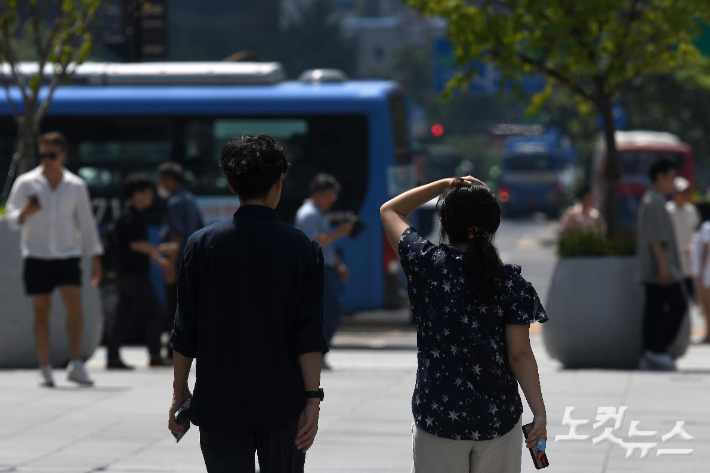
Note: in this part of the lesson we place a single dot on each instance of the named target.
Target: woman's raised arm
(394, 212)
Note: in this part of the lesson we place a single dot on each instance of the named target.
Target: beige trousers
(434, 454)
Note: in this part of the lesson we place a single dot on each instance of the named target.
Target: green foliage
(593, 48)
(586, 243)
(61, 34)
(596, 48)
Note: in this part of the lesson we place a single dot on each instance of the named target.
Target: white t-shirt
(685, 222)
(700, 239)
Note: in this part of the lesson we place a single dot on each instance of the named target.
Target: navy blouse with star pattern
(465, 387)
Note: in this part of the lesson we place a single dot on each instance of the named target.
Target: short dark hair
(583, 191)
(136, 182)
(54, 138)
(252, 165)
(661, 166)
(323, 182)
(171, 169)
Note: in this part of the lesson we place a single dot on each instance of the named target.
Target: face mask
(163, 193)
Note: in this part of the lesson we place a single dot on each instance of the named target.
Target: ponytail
(471, 215)
(484, 268)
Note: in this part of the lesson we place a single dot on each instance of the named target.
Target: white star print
(509, 283)
(435, 353)
(474, 324)
(411, 255)
(475, 435)
(453, 349)
(492, 409)
(478, 369)
(429, 420)
(453, 415)
(458, 381)
(447, 286)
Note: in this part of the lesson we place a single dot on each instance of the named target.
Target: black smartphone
(541, 462)
(182, 416)
(358, 227)
(33, 199)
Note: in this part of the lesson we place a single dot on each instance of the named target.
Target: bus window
(635, 164)
(335, 144)
(530, 163)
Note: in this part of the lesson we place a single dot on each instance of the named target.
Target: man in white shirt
(51, 207)
(686, 220)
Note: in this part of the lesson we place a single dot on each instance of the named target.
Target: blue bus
(121, 118)
(533, 172)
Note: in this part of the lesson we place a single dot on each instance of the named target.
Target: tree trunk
(26, 144)
(612, 172)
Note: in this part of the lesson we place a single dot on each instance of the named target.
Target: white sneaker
(662, 361)
(76, 373)
(45, 380)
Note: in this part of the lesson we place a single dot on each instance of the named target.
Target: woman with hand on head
(473, 315)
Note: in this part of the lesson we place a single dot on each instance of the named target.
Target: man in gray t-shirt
(657, 250)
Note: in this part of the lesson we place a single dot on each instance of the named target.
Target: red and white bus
(637, 150)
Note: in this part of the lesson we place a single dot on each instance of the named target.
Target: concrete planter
(596, 311)
(17, 347)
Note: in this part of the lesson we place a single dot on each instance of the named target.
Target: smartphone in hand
(541, 462)
(182, 417)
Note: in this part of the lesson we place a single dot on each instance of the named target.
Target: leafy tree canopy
(594, 48)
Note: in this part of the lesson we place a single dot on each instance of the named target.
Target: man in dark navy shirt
(250, 310)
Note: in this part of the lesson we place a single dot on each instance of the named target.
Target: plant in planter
(596, 299)
(581, 243)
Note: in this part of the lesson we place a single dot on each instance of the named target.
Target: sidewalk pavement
(121, 424)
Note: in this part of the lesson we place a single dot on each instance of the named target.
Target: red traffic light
(437, 130)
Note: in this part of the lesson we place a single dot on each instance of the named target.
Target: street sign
(488, 79)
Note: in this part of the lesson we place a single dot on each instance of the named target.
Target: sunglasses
(48, 156)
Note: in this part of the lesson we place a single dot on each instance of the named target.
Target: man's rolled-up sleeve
(183, 338)
(308, 327)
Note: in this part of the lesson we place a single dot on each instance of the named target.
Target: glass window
(337, 145)
(637, 163)
(530, 163)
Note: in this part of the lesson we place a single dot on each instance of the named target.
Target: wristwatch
(315, 394)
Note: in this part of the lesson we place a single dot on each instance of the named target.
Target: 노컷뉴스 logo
(607, 414)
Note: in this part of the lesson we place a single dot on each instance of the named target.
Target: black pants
(227, 451)
(137, 297)
(662, 316)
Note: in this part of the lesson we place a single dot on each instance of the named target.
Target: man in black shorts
(51, 206)
(136, 292)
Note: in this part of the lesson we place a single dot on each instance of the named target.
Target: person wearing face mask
(137, 296)
(182, 219)
(51, 206)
